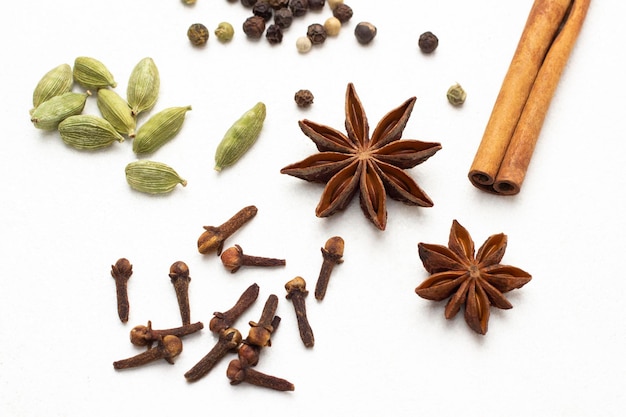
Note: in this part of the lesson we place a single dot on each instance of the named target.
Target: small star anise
(370, 165)
(476, 281)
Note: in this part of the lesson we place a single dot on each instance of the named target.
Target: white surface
(380, 349)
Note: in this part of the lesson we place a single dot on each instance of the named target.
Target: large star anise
(476, 281)
(370, 165)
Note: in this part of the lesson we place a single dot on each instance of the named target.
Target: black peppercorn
(274, 34)
(365, 32)
(278, 4)
(316, 4)
(303, 98)
(428, 42)
(298, 7)
(263, 9)
(248, 3)
(343, 12)
(198, 34)
(316, 33)
(283, 17)
(254, 26)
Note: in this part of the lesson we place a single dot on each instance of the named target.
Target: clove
(296, 292)
(121, 272)
(213, 237)
(179, 274)
(168, 348)
(222, 321)
(229, 339)
(332, 253)
(238, 372)
(233, 258)
(145, 335)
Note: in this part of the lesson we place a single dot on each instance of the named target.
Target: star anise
(370, 165)
(478, 281)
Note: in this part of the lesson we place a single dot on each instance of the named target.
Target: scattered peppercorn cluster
(271, 18)
(168, 341)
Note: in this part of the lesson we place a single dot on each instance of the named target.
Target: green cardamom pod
(93, 74)
(51, 112)
(240, 137)
(116, 111)
(143, 86)
(159, 129)
(88, 132)
(152, 177)
(55, 82)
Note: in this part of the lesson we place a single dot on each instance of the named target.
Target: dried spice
(332, 252)
(152, 177)
(145, 335)
(239, 372)
(372, 166)
(456, 95)
(167, 348)
(117, 112)
(316, 4)
(316, 33)
(121, 272)
(50, 113)
(88, 132)
(303, 44)
(92, 74)
(143, 86)
(222, 321)
(253, 27)
(263, 9)
(332, 26)
(224, 32)
(303, 98)
(179, 276)
(248, 3)
(278, 4)
(298, 7)
(478, 281)
(229, 340)
(240, 137)
(343, 12)
(213, 237)
(283, 18)
(334, 3)
(365, 32)
(159, 129)
(233, 258)
(198, 34)
(274, 34)
(55, 82)
(296, 292)
(428, 42)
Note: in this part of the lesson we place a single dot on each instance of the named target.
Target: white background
(380, 349)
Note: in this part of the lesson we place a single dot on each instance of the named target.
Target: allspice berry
(316, 33)
(198, 34)
(254, 26)
(365, 32)
(303, 98)
(343, 12)
(428, 42)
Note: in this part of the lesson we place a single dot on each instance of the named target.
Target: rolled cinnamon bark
(513, 128)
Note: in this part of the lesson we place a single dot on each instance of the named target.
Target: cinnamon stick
(513, 128)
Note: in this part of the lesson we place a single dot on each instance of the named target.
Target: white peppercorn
(303, 44)
(332, 26)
